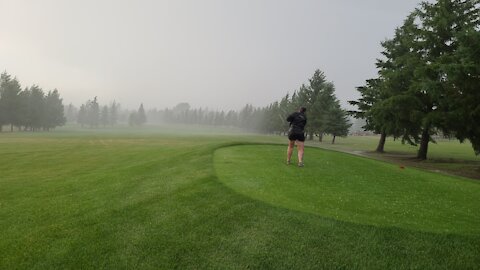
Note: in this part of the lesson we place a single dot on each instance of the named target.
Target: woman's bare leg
(300, 149)
(291, 144)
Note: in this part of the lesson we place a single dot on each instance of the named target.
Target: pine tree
(141, 117)
(36, 105)
(104, 116)
(451, 76)
(436, 88)
(9, 100)
(82, 115)
(430, 78)
(231, 118)
(133, 119)
(319, 98)
(372, 95)
(54, 110)
(113, 113)
(93, 113)
(245, 117)
(284, 109)
(462, 104)
(337, 123)
(24, 108)
(3, 119)
(387, 103)
(71, 113)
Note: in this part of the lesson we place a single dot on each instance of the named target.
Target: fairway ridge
(353, 189)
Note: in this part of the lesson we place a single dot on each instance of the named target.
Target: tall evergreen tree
(71, 113)
(441, 25)
(462, 100)
(9, 100)
(450, 78)
(104, 116)
(93, 113)
(54, 110)
(29, 108)
(396, 111)
(231, 118)
(319, 98)
(113, 113)
(36, 105)
(430, 76)
(133, 119)
(24, 108)
(245, 116)
(82, 115)
(388, 104)
(3, 117)
(284, 109)
(372, 94)
(141, 116)
(337, 123)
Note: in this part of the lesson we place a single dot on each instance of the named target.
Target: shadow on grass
(287, 239)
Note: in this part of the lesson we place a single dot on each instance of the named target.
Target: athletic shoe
(300, 164)
(288, 162)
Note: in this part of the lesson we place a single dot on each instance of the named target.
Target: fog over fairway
(216, 54)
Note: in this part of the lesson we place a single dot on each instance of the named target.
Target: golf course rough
(353, 189)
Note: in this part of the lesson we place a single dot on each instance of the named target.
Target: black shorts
(296, 137)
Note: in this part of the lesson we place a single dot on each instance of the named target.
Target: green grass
(353, 189)
(150, 199)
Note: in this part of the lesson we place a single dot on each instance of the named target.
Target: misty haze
(215, 54)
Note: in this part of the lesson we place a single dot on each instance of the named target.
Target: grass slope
(353, 189)
(99, 200)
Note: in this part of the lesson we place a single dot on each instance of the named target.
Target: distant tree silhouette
(141, 116)
(113, 113)
(104, 116)
(9, 101)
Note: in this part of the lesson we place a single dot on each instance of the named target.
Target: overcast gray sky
(219, 54)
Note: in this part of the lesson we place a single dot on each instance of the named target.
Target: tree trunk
(381, 143)
(320, 137)
(1, 127)
(310, 136)
(333, 141)
(422, 151)
(11, 127)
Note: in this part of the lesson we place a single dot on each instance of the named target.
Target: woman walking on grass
(296, 133)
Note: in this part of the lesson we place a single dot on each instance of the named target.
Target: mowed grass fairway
(153, 200)
(353, 189)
